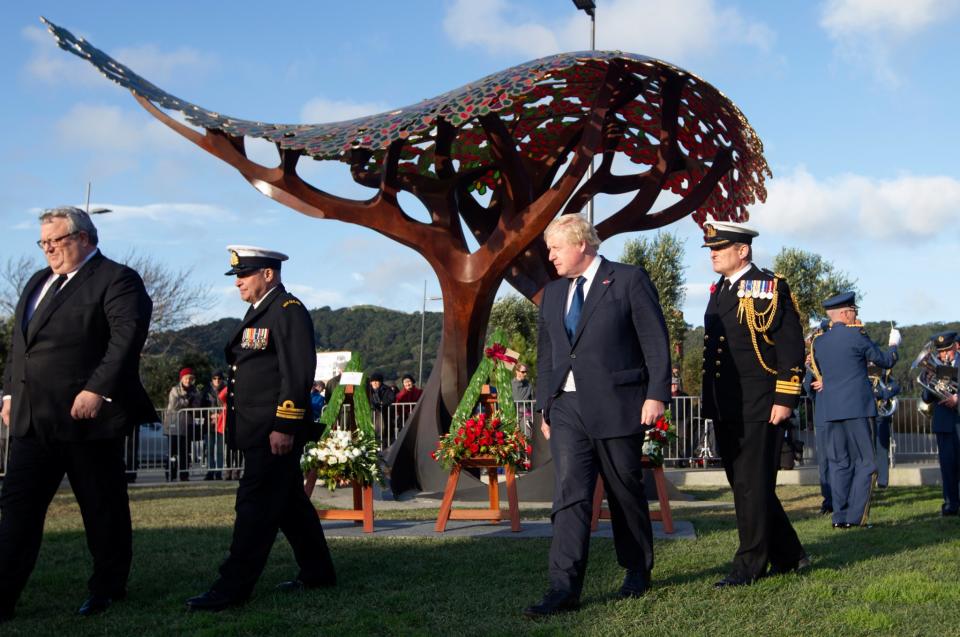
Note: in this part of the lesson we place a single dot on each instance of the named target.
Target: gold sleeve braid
(759, 322)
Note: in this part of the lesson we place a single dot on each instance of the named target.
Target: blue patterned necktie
(572, 318)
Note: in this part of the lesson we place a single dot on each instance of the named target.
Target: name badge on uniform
(255, 338)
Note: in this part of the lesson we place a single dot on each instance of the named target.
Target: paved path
(406, 529)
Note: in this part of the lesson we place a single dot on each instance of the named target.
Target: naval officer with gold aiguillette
(272, 359)
(753, 358)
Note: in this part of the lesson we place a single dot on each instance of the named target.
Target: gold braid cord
(759, 323)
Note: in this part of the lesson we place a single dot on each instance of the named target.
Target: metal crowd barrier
(185, 444)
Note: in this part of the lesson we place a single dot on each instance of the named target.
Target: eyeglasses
(43, 244)
(522, 371)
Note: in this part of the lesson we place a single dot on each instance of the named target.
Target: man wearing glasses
(74, 392)
(849, 407)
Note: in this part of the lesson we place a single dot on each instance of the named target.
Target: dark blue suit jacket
(620, 354)
(842, 354)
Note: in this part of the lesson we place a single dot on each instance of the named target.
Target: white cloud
(868, 33)
(49, 64)
(838, 208)
(321, 110)
(110, 128)
(315, 297)
(672, 31)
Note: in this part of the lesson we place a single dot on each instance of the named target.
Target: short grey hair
(77, 220)
(573, 229)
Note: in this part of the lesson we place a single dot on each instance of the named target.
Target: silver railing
(185, 444)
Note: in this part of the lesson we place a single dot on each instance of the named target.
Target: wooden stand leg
(444, 516)
(665, 516)
(493, 489)
(367, 509)
(309, 483)
(597, 504)
(513, 500)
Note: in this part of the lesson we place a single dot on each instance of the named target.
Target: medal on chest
(756, 289)
(255, 338)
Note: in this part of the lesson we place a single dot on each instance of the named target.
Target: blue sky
(855, 101)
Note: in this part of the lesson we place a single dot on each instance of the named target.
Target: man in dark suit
(946, 424)
(752, 366)
(846, 399)
(272, 359)
(74, 392)
(603, 364)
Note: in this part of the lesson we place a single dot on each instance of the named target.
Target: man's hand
(86, 405)
(779, 413)
(651, 412)
(545, 429)
(817, 385)
(5, 413)
(280, 443)
(950, 401)
(895, 338)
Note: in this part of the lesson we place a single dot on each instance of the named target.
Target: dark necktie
(572, 319)
(48, 297)
(726, 286)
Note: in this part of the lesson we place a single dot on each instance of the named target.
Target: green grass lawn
(902, 577)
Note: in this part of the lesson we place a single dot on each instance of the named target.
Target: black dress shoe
(296, 585)
(94, 605)
(553, 603)
(213, 601)
(843, 525)
(947, 513)
(800, 565)
(635, 584)
(732, 581)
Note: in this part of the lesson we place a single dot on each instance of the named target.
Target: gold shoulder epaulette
(291, 302)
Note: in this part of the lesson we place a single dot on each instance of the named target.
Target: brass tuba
(934, 377)
(881, 382)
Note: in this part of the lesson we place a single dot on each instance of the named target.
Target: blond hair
(574, 229)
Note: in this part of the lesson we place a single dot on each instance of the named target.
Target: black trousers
(270, 498)
(577, 459)
(751, 456)
(96, 472)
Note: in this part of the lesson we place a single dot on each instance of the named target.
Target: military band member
(846, 398)
(883, 391)
(272, 359)
(752, 367)
(812, 382)
(946, 420)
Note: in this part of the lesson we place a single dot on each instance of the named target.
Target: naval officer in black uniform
(272, 359)
(753, 359)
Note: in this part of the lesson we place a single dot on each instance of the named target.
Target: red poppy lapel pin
(605, 282)
(713, 288)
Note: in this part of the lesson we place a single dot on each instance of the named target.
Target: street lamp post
(423, 321)
(590, 8)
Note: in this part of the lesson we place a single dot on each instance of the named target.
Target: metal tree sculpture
(502, 156)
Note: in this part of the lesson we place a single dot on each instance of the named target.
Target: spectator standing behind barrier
(74, 393)
(752, 366)
(214, 430)
(946, 420)
(272, 362)
(180, 424)
(522, 389)
(408, 396)
(317, 400)
(381, 397)
(841, 354)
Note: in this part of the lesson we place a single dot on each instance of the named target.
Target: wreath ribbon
(499, 352)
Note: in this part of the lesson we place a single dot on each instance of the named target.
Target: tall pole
(593, 47)
(423, 320)
(87, 210)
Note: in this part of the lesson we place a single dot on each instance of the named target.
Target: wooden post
(663, 515)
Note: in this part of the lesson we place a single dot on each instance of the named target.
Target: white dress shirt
(589, 274)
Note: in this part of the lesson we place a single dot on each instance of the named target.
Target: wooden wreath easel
(663, 515)
(362, 511)
(490, 465)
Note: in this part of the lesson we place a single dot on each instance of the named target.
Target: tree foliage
(812, 279)
(662, 258)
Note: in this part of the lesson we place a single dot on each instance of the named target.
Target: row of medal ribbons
(757, 289)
